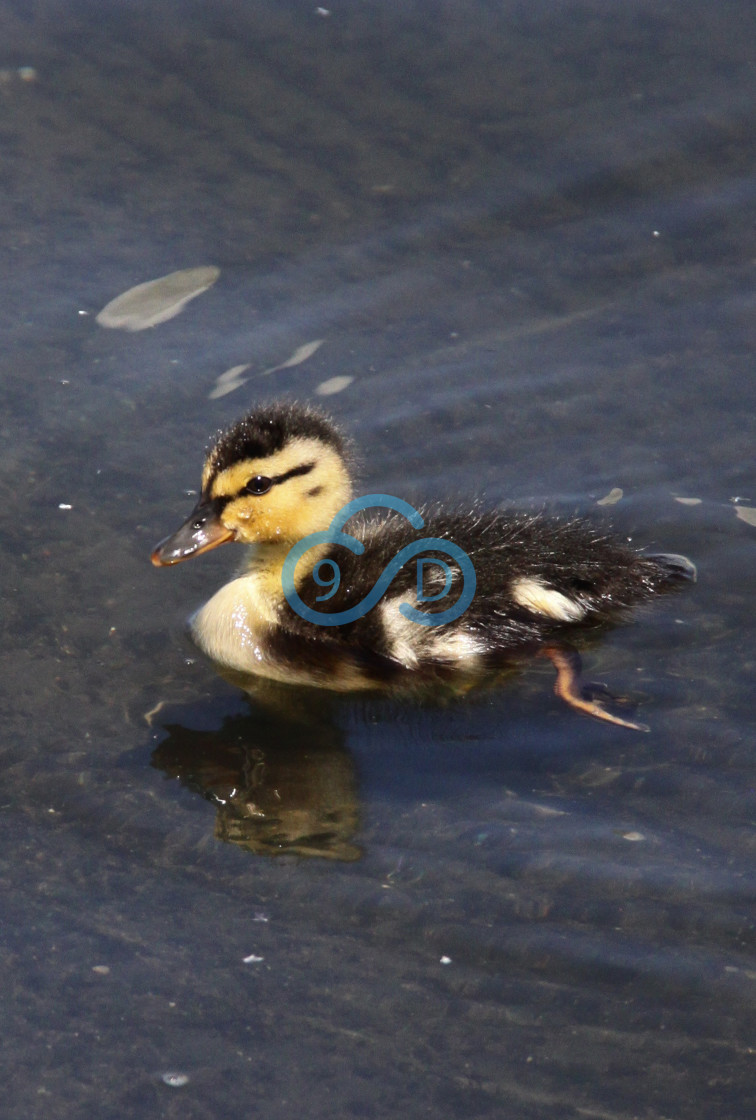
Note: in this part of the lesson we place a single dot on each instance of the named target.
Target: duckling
(283, 473)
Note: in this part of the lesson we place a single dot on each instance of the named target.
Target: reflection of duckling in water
(282, 473)
(281, 784)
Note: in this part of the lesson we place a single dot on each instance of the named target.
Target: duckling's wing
(536, 578)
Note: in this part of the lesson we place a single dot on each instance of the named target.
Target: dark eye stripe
(261, 484)
(223, 501)
(293, 473)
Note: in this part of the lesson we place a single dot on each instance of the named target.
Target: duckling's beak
(201, 531)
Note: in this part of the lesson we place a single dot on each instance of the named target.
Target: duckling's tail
(675, 568)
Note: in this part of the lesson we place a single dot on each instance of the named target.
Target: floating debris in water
(611, 498)
(445, 960)
(175, 1080)
(232, 378)
(149, 716)
(547, 810)
(228, 381)
(333, 385)
(64, 505)
(101, 969)
(156, 301)
(746, 513)
(596, 776)
(301, 354)
(689, 501)
(633, 836)
(252, 959)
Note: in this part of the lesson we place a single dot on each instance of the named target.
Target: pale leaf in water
(611, 498)
(333, 385)
(156, 301)
(746, 513)
(232, 374)
(228, 381)
(301, 354)
(689, 501)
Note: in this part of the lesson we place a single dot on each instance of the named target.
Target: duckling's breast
(241, 629)
(233, 627)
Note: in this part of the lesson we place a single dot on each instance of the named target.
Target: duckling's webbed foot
(570, 688)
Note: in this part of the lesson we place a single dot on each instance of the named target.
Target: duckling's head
(276, 476)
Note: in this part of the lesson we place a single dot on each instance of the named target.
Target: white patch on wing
(404, 635)
(457, 646)
(536, 596)
(410, 642)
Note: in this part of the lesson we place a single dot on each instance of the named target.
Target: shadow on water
(526, 231)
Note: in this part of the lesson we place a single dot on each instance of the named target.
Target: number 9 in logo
(333, 582)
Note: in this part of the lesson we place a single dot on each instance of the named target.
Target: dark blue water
(527, 232)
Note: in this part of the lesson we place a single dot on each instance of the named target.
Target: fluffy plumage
(282, 473)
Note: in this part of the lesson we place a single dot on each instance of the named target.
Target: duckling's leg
(569, 686)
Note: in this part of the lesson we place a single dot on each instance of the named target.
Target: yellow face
(276, 476)
(282, 497)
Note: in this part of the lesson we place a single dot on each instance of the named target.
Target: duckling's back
(537, 579)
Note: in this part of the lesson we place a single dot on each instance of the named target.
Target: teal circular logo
(334, 534)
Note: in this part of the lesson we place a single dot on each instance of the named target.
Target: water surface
(527, 232)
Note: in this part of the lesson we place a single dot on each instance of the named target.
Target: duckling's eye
(258, 485)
